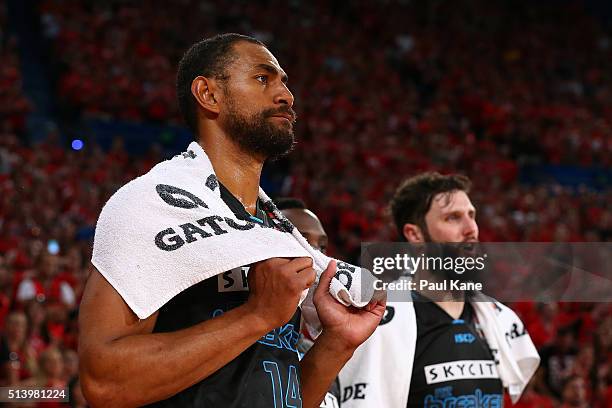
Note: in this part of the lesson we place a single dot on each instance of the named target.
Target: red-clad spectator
(36, 313)
(71, 364)
(50, 375)
(574, 393)
(46, 282)
(22, 355)
(441, 96)
(536, 395)
(5, 282)
(558, 358)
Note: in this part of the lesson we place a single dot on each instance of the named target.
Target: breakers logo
(444, 398)
(460, 370)
(282, 337)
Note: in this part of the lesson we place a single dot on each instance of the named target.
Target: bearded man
(439, 346)
(210, 345)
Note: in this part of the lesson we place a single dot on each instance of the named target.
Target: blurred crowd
(38, 288)
(13, 104)
(473, 86)
(479, 87)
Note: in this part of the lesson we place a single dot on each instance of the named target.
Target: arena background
(515, 94)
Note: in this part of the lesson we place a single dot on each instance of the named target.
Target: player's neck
(237, 171)
(451, 302)
(453, 309)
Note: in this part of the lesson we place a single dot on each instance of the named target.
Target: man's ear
(412, 233)
(203, 90)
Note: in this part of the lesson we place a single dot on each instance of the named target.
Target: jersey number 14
(289, 397)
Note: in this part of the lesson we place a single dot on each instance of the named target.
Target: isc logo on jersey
(460, 370)
(233, 280)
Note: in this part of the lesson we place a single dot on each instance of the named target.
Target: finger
(326, 277)
(307, 277)
(302, 280)
(376, 305)
(297, 264)
(380, 308)
(379, 295)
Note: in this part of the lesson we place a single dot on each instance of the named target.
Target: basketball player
(234, 97)
(305, 221)
(452, 364)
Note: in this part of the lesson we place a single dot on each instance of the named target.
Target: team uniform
(267, 374)
(453, 365)
(419, 356)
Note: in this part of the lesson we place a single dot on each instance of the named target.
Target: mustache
(285, 110)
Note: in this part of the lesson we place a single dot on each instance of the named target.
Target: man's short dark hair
(209, 58)
(412, 200)
(289, 203)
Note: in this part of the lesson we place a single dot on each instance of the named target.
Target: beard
(453, 250)
(257, 135)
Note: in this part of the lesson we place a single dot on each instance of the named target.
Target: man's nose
(470, 228)
(284, 96)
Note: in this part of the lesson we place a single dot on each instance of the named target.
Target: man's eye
(262, 78)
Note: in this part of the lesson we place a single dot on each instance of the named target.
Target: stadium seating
(516, 95)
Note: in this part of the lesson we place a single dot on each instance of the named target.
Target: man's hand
(275, 287)
(348, 327)
(344, 329)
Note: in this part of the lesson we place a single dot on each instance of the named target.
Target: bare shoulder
(104, 315)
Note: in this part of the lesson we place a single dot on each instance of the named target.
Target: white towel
(380, 371)
(516, 356)
(169, 229)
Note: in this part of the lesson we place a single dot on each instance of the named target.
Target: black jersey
(453, 365)
(267, 374)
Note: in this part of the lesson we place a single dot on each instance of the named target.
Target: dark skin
(309, 226)
(124, 364)
(255, 77)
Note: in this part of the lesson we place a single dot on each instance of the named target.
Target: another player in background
(305, 221)
(451, 360)
(311, 228)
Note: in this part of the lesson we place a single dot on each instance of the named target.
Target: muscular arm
(319, 367)
(122, 363)
(344, 329)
